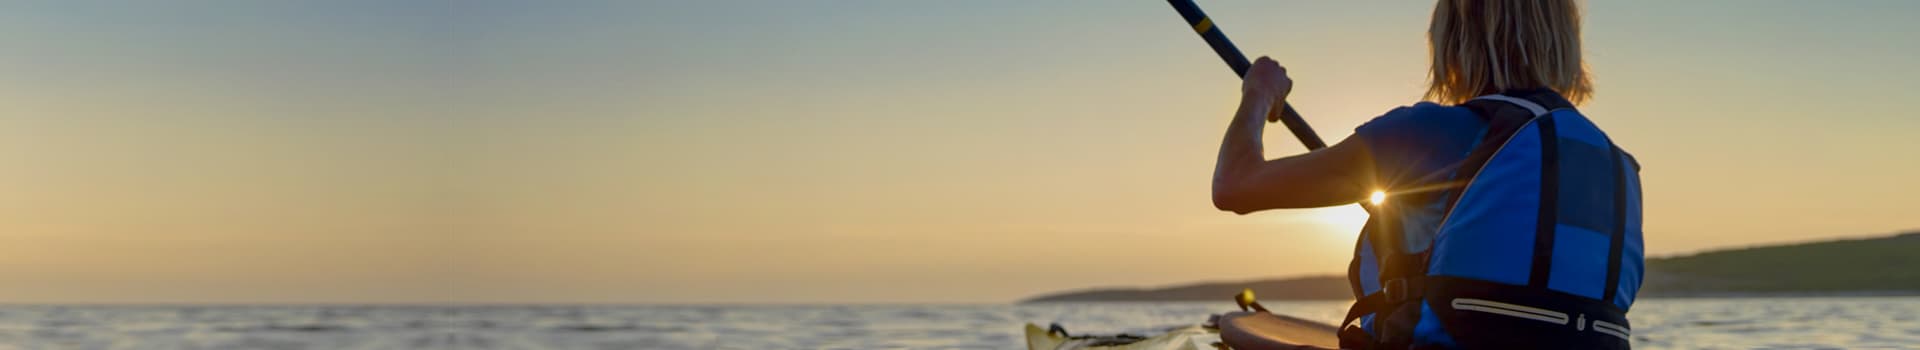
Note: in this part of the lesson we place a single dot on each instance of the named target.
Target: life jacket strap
(1394, 295)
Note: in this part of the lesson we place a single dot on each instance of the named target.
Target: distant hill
(1871, 266)
(1886, 265)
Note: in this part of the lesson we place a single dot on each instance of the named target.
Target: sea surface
(1748, 323)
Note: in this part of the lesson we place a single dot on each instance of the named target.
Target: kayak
(1243, 330)
(1184, 338)
(1262, 330)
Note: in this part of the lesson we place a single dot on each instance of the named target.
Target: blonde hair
(1482, 47)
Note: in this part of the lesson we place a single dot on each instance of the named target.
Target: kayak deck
(1185, 338)
(1261, 330)
(1241, 330)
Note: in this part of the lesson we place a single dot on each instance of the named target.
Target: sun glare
(1378, 197)
(1344, 220)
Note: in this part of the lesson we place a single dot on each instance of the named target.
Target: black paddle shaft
(1218, 40)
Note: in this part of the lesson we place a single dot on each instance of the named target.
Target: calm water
(1803, 323)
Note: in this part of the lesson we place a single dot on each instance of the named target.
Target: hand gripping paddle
(1218, 40)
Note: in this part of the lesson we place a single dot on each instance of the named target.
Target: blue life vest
(1540, 246)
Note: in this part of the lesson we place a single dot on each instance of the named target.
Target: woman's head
(1486, 46)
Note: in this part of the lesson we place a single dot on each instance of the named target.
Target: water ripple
(1806, 323)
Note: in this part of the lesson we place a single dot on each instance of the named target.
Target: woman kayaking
(1502, 217)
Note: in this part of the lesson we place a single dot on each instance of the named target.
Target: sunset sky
(831, 151)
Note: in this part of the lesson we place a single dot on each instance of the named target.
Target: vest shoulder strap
(1535, 108)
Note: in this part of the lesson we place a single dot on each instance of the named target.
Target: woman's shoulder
(1428, 110)
(1417, 139)
(1423, 117)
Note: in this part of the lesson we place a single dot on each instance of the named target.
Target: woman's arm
(1244, 181)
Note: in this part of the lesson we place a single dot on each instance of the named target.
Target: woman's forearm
(1240, 152)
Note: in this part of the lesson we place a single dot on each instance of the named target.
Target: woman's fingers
(1268, 77)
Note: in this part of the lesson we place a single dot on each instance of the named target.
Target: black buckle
(1395, 290)
(1400, 290)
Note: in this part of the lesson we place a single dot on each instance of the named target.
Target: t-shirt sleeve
(1407, 142)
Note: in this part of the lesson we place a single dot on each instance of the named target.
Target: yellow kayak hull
(1186, 338)
(1242, 330)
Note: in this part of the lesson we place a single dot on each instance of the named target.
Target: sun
(1377, 197)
